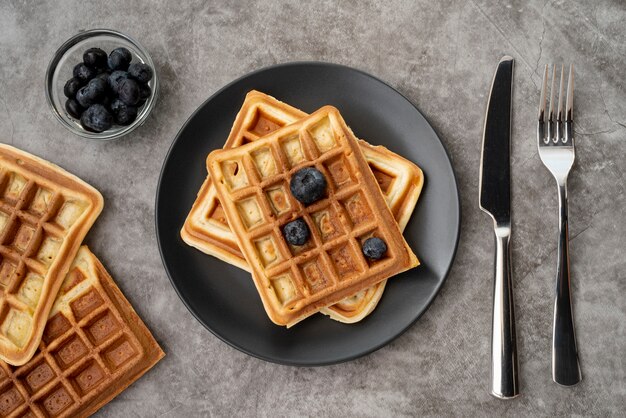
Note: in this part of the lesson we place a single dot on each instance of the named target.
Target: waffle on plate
(93, 347)
(207, 229)
(252, 183)
(45, 213)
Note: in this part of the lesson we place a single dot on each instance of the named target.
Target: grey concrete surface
(441, 54)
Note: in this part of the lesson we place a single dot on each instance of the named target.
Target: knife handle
(504, 367)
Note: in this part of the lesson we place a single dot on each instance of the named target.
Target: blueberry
(73, 108)
(106, 101)
(374, 248)
(103, 76)
(123, 113)
(144, 94)
(117, 105)
(92, 93)
(83, 72)
(308, 185)
(119, 59)
(128, 91)
(84, 98)
(124, 52)
(95, 57)
(96, 118)
(98, 85)
(140, 72)
(71, 87)
(296, 232)
(144, 91)
(115, 78)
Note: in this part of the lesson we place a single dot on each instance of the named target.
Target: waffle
(207, 229)
(94, 346)
(252, 183)
(45, 213)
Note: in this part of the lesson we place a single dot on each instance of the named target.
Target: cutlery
(555, 141)
(495, 200)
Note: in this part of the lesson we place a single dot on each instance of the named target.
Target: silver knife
(495, 199)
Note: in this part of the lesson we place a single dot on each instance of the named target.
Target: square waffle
(207, 229)
(252, 183)
(45, 213)
(93, 347)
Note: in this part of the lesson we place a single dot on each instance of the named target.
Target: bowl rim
(62, 50)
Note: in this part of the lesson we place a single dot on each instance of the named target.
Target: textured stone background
(441, 54)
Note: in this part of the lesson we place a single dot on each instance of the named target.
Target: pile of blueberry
(107, 90)
(308, 185)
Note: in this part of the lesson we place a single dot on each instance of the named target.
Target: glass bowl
(70, 54)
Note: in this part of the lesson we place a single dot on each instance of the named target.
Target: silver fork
(555, 141)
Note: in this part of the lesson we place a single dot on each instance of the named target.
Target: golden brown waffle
(252, 183)
(45, 213)
(206, 227)
(94, 346)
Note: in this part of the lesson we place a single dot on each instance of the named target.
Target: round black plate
(223, 297)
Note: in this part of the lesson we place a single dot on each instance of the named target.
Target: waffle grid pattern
(256, 183)
(206, 226)
(34, 222)
(87, 346)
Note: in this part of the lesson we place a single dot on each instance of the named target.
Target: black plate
(224, 299)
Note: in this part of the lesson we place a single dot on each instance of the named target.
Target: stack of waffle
(69, 340)
(245, 201)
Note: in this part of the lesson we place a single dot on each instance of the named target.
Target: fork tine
(551, 111)
(570, 95)
(569, 108)
(542, 100)
(559, 112)
(541, 135)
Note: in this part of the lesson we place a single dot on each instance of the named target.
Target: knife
(495, 199)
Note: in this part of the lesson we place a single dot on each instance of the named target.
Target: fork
(555, 141)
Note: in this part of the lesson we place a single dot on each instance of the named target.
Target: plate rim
(358, 353)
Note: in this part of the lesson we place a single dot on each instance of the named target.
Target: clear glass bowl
(70, 54)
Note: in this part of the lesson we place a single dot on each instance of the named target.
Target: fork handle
(504, 368)
(565, 367)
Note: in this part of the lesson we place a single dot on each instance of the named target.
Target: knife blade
(495, 200)
(495, 173)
